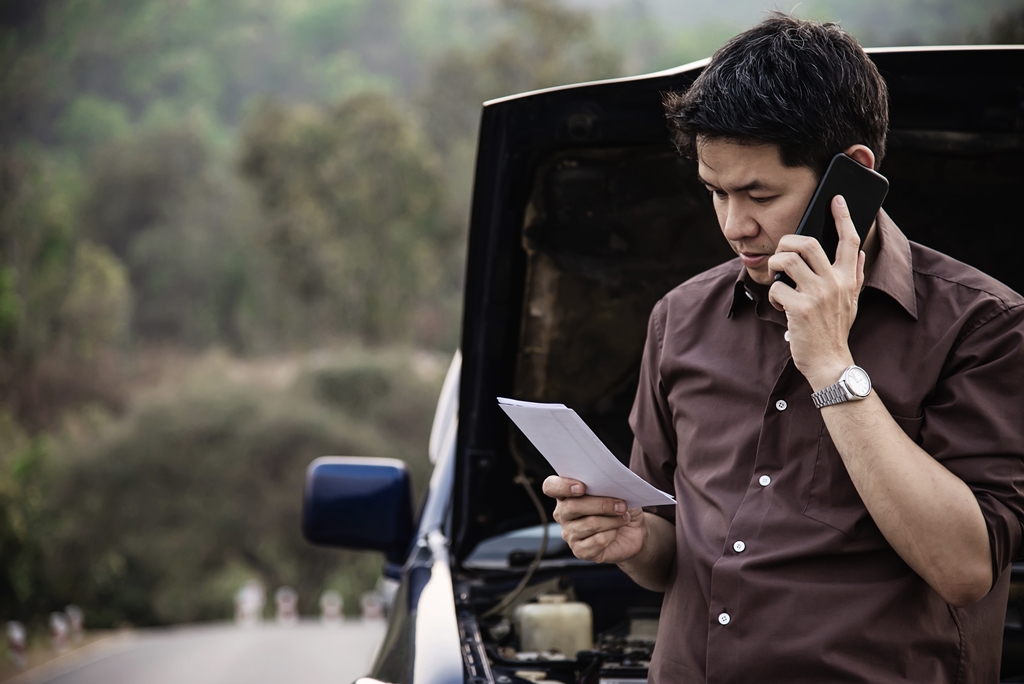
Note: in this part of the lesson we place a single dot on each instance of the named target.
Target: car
(583, 216)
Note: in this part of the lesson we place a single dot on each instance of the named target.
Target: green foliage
(162, 202)
(36, 247)
(162, 516)
(23, 587)
(10, 307)
(97, 307)
(90, 120)
(354, 389)
(544, 45)
(138, 184)
(63, 302)
(354, 202)
(77, 68)
(326, 25)
(389, 389)
(1007, 28)
(691, 44)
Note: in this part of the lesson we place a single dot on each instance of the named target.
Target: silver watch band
(833, 394)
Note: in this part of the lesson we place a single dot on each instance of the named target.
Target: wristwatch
(853, 385)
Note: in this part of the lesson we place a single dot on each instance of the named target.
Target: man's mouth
(754, 259)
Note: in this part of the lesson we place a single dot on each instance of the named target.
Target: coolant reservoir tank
(555, 624)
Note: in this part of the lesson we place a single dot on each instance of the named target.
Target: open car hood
(584, 216)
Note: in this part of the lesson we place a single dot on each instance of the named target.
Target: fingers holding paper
(597, 528)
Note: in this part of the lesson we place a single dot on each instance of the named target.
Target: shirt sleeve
(654, 443)
(974, 425)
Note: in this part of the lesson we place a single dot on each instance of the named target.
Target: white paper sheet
(573, 450)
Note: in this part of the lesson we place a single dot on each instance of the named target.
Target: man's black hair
(806, 87)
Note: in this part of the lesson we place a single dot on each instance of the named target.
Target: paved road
(221, 654)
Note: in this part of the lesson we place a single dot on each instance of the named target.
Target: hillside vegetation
(162, 515)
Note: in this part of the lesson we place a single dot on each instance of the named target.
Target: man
(826, 530)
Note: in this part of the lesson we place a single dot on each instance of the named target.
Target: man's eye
(762, 200)
(720, 194)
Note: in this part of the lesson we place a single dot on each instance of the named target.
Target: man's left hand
(822, 308)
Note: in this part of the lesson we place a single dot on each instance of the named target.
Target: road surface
(309, 652)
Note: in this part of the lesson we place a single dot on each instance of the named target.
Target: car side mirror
(359, 503)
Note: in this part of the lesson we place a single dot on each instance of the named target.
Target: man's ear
(862, 154)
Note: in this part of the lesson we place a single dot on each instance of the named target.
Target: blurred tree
(79, 71)
(162, 201)
(90, 120)
(63, 304)
(355, 206)
(545, 44)
(139, 183)
(36, 244)
(97, 308)
(24, 591)
(62, 301)
(161, 518)
(1007, 28)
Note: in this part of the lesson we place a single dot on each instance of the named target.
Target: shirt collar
(746, 291)
(892, 272)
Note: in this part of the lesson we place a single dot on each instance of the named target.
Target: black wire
(535, 563)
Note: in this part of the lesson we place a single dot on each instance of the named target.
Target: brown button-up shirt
(780, 573)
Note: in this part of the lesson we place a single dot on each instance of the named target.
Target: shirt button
(723, 618)
(739, 547)
(764, 481)
(781, 405)
(786, 335)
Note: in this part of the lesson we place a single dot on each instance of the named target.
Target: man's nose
(738, 224)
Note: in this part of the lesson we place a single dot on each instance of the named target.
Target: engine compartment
(493, 604)
(620, 652)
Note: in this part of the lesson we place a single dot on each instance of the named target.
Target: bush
(355, 221)
(161, 518)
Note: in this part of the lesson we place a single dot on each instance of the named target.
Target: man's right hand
(597, 528)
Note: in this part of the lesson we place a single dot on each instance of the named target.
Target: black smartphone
(863, 189)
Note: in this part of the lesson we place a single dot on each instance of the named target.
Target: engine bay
(573, 621)
(620, 654)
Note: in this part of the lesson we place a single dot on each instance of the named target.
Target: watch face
(858, 381)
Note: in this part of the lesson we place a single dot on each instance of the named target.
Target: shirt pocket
(832, 499)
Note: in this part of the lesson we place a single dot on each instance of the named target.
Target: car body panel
(422, 641)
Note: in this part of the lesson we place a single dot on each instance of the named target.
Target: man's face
(757, 198)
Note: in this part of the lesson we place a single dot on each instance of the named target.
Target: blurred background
(232, 239)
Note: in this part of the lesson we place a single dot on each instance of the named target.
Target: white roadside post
(17, 643)
(330, 608)
(249, 603)
(286, 602)
(59, 630)
(76, 620)
(372, 605)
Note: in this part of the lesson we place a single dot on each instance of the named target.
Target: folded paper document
(573, 450)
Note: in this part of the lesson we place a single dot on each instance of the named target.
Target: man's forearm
(929, 516)
(651, 567)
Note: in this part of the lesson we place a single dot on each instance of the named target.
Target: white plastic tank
(555, 624)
